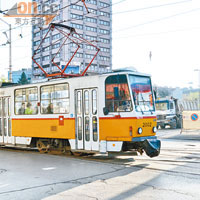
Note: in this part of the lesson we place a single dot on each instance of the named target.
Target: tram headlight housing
(154, 129)
(140, 130)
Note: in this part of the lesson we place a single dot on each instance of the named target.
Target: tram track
(99, 176)
(127, 162)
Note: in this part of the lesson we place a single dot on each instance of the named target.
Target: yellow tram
(111, 112)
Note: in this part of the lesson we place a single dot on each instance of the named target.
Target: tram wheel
(42, 147)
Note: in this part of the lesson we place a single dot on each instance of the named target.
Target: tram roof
(117, 71)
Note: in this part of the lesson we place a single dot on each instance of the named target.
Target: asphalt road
(175, 174)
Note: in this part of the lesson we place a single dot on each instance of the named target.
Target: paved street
(175, 174)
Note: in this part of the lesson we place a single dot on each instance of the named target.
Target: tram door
(87, 133)
(5, 121)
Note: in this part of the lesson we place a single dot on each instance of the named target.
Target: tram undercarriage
(61, 146)
(151, 148)
(49, 145)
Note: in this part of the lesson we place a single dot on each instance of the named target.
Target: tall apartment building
(95, 26)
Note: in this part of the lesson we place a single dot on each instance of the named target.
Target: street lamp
(198, 70)
(10, 52)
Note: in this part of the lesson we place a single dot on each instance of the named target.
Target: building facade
(95, 26)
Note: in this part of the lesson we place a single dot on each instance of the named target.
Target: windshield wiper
(138, 104)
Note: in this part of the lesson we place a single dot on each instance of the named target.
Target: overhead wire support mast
(10, 49)
(71, 37)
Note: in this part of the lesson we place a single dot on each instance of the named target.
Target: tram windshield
(118, 97)
(142, 93)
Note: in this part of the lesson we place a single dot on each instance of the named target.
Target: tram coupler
(151, 148)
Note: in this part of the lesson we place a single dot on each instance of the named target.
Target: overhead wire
(158, 33)
(157, 20)
(151, 7)
(70, 19)
(139, 9)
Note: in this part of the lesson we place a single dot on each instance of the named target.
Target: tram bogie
(112, 112)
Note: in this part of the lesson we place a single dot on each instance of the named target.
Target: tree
(23, 79)
(3, 79)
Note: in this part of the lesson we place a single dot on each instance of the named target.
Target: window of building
(36, 43)
(93, 11)
(75, 16)
(89, 56)
(45, 31)
(104, 58)
(89, 28)
(75, 45)
(55, 99)
(92, 66)
(103, 49)
(103, 31)
(45, 58)
(78, 26)
(106, 68)
(94, 2)
(55, 46)
(77, 35)
(77, 55)
(35, 27)
(37, 34)
(91, 20)
(91, 38)
(56, 55)
(118, 97)
(46, 48)
(105, 14)
(37, 60)
(77, 7)
(102, 4)
(57, 36)
(105, 23)
(26, 101)
(47, 39)
(103, 40)
(90, 47)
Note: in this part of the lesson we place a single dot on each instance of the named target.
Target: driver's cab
(131, 92)
(165, 107)
(128, 116)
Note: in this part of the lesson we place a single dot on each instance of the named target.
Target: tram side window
(0, 117)
(26, 101)
(55, 99)
(117, 94)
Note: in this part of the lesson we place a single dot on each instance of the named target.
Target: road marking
(5, 185)
(48, 168)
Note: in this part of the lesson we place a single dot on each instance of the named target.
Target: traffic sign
(194, 117)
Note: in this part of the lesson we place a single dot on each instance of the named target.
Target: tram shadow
(126, 158)
(169, 179)
(92, 184)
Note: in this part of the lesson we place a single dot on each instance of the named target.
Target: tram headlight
(154, 129)
(140, 130)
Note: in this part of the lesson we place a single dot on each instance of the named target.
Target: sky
(169, 29)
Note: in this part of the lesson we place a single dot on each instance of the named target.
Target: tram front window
(117, 94)
(142, 93)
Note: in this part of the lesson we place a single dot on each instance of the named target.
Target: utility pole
(10, 50)
(198, 70)
(10, 55)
